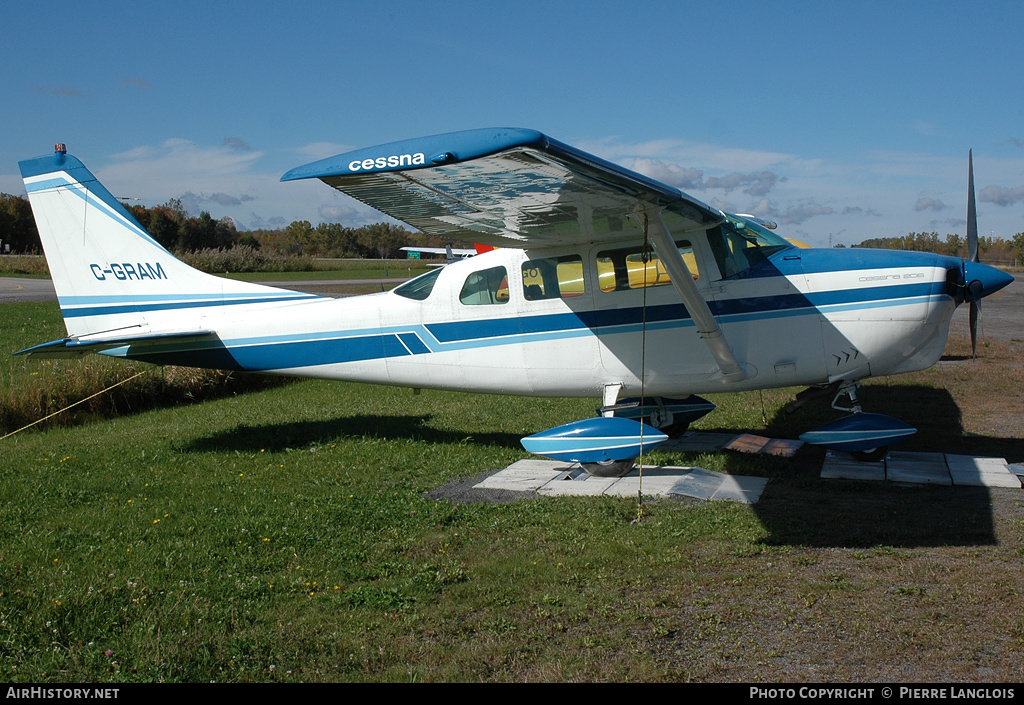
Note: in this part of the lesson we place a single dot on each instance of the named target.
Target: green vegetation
(33, 389)
(24, 266)
(993, 250)
(292, 534)
(17, 226)
(173, 228)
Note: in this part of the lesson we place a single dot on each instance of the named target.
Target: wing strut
(682, 280)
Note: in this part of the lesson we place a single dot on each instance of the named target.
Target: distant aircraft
(605, 284)
(451, 254)
(447, 251)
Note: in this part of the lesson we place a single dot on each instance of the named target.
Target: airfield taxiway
(24, 289)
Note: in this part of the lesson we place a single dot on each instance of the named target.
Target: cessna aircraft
(451, 254)
(604, 283)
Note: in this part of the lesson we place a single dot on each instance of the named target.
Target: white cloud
(1001, 196)
(670, 174)
(134, 82)
(701, 155)
(176, 167)
(930, 204)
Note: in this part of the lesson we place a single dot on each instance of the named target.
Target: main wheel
(676, 430)
(872, 455)
(609, 468)
(661, 418)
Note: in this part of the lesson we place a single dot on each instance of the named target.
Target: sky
(841, 121)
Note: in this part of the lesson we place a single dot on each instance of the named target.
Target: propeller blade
(975, 288)
(975, 309)
(972, 212)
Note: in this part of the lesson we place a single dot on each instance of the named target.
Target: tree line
(177, 231)
(17, 226)
(172, 227)
(990, 249)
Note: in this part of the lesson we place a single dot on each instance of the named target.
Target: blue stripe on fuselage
(134, 306)
(290, 351)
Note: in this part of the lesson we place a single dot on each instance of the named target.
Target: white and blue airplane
(604, 283)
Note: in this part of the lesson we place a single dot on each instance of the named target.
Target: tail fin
(109, 273)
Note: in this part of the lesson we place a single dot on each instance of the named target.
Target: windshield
(420, 287)
(739, 244)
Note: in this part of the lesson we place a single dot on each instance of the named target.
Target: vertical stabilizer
(108, 272)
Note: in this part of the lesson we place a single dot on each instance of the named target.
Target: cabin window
(420, 287)
(627, 268)
(738, 245)
(488, 286)
(553, 278)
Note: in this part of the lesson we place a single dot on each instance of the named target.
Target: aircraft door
(760, 301)
(559, 345)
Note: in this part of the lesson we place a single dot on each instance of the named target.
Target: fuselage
(571, 322)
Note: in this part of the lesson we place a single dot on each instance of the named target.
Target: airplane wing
(519, 188)
(505, 187)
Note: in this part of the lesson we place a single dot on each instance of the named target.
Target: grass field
(288, 534)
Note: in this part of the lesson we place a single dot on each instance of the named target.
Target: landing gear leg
(665, 421)
(848, 389)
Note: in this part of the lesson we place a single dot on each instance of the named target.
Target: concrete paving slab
(698, 483)
(699, 442)
(981, 472)
(842, 466)
(551, 478)
(782, 447)
(656, 480)
(747, 443)
(917, 468)
(526, 475)
(925, 468)
(582, 486)
(738, 488)
(708, 442)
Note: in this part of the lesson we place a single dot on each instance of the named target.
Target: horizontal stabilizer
(76, 347)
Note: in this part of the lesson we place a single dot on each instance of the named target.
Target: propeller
(974, 280)
(974, 288)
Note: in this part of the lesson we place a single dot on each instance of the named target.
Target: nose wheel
(866, 437)
(872, 455)
(609, 468)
